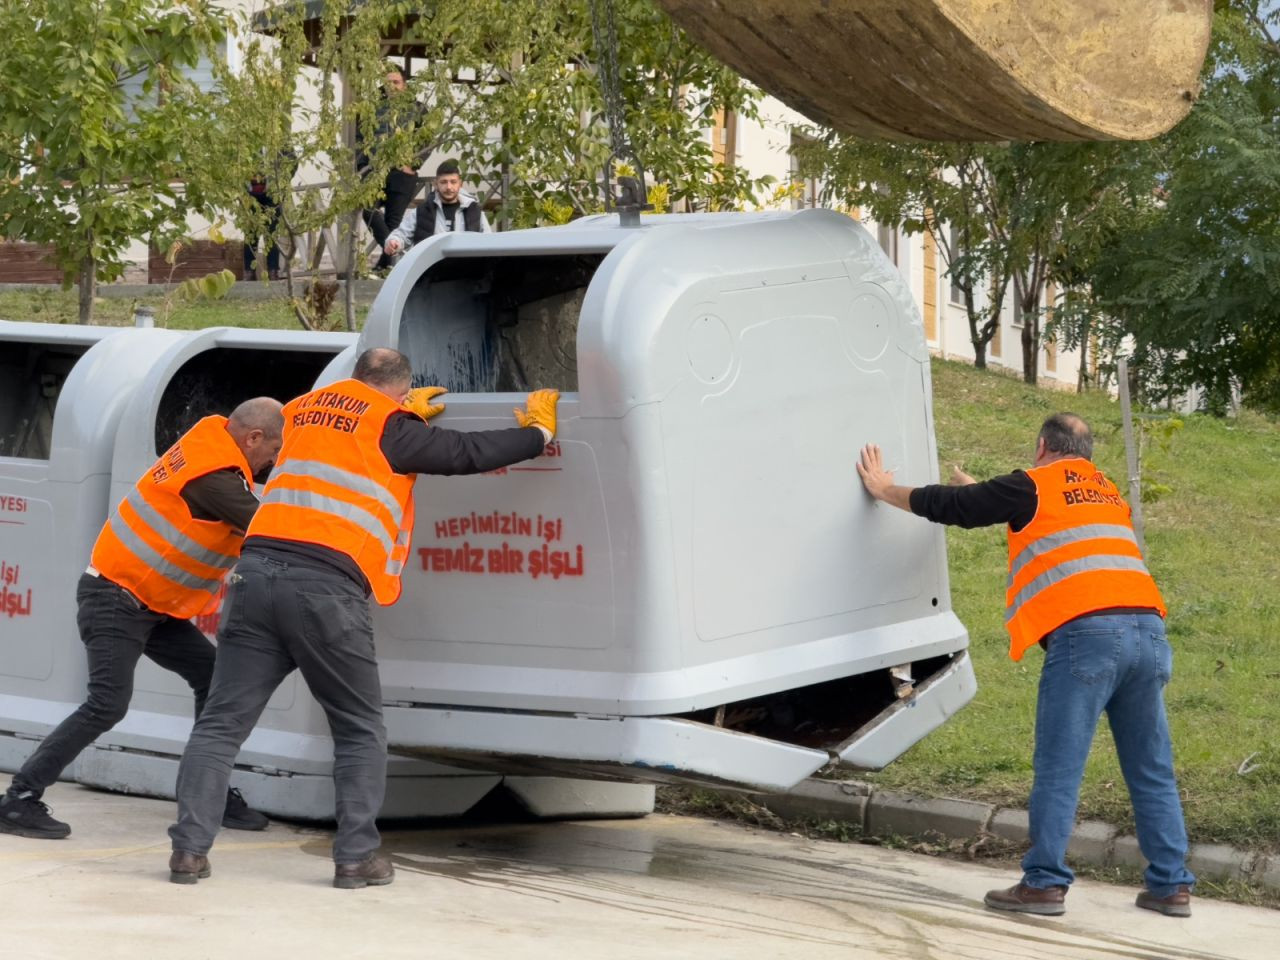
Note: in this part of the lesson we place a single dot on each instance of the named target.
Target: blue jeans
(1120, 664)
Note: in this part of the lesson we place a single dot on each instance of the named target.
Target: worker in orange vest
(160, 560)
(335, 527)
(1078, 588)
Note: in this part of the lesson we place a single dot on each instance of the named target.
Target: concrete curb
(877, 812)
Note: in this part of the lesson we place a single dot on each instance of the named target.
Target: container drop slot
(215, 381)
(821, 715)
(31, 378)
(497, 324)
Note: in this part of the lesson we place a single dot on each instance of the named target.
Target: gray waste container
(691, 584)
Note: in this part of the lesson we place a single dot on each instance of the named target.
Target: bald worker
(160, 560)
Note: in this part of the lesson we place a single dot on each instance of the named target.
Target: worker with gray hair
(159, 561)
(1079, 589)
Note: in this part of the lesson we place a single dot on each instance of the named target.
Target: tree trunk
(980, 354)
(975, 337)
(349, 293)
(295, 302)
(1030, 349)
(88, 287)
(1082, 375)
(1029, 304)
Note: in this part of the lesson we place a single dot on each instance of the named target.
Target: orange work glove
(541, 410)
(419, 401)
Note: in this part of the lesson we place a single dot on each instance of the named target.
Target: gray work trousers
(279, 616)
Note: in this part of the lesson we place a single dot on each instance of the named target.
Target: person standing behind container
(401, 183)
(447, 209)
(159, 561)
(335, 526)
(1077, 587)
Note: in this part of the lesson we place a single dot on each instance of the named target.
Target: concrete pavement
(659, 887)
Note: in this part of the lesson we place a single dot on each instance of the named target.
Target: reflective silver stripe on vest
(148, 555)
(1090, 531)
(346, 479)
(395, 567)
(361, 517)
(171, 535)
(1069, 569)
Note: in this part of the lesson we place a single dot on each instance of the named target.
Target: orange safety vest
(1077, 555)
(332, 486)
(152, 545)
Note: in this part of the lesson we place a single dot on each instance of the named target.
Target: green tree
(543, 94)
(508, 86)
(97, 109)
(308, 94)
(1001, 214)
(1191, 272)
(946, 189)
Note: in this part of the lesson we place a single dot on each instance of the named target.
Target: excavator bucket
(978, 70)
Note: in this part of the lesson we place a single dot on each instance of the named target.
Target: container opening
(493, 324)
(821, 715)
(31, 378)
(215, 381)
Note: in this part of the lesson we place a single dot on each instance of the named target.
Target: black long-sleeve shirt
(412, 446)
(1010, 498)
(221, 495)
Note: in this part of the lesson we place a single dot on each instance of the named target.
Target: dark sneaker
(239, 816)
(1047, 902)
(25, 816)
(374, 871)
(188, 867)
(1177, 904)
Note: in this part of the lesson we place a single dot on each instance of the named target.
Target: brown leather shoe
(1176, 904)
(1047, 902)
(373, 871)
(187, 867)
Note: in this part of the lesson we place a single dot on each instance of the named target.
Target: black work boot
(24, 816)
(1046, 902)
(239, 816)
(188, 867)
(373, 871)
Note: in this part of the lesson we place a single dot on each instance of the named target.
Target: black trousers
(251, 242)
(280, 616)
(397, 195)
(116, 630)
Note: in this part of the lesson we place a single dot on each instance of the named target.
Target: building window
(806, 192)
(887, 237)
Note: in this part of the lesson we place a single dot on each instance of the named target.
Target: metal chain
(605, 32)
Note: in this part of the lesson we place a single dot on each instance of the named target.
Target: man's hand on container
(871, 469)
(419, 401)
(879, 481)
(959, 478)
(540, 412)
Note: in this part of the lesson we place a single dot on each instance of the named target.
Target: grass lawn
(1213, 541)
(58, 306)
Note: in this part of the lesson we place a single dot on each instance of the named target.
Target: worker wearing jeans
(1119, 664)
(1079, 588)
